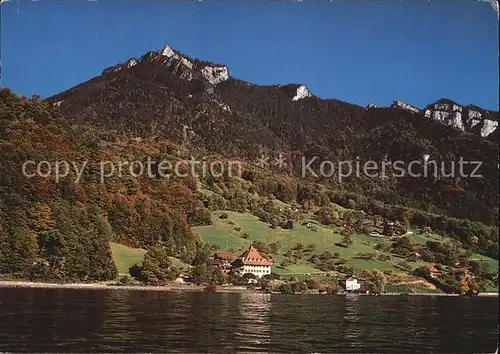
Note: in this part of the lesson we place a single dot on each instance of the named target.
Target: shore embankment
(174, 287)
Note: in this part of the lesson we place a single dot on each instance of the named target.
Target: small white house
(352, 284)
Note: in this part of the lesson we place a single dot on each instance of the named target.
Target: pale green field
(125, 257)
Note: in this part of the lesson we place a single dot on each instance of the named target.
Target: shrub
(299, 287)
(200, 217)
(157, 268)
(312, 284)
(347, 240)
(135, 271)
(223, 216)
(237, 279)
(286, 289)
(287, 225)
(207, 274)
(264, 216)
(384, 257)
(125, 280)
(274, 247)
(327, 215)
(404, 265)
(368, 255)
(274, 223)
(210, 288)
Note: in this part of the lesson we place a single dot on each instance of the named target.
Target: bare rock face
(178, 64)
(469, 118)
(405, 106)
(302, 92)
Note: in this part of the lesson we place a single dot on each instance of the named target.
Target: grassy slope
(227, 237)
(125, 257)
(224, 233)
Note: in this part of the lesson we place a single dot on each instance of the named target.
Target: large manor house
(251, 261)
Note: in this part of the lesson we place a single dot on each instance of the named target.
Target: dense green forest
(61, 229)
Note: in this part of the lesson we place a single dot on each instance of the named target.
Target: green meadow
(125, 257)
(227, 235)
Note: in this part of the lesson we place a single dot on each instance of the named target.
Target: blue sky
(360, 52)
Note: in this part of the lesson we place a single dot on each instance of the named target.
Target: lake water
(61, 320)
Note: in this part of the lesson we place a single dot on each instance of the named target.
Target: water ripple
(61, 320)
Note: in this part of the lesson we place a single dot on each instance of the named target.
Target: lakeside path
(175, 288)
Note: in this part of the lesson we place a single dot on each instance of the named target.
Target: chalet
(252, 262)
(433, 271)
(224, 258)
(351, 284)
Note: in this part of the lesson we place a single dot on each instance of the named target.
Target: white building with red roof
(253, 262)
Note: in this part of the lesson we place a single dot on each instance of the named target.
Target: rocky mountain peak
(215, 73)
(405, 106)
(180, 65)
(468, 118)
(302, 92)
(190, 78)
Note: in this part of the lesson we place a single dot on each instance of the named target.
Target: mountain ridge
(162, 96)
(473, 119)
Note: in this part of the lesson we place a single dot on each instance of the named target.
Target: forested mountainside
(63, 228)
(168, 106)
(168, 95)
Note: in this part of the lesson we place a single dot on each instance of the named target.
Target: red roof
(253, 257)
(431, 268)
(227, 256)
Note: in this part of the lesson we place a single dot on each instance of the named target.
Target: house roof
(352, 278)
(431, 268)
(253, 257)
(229, 256)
